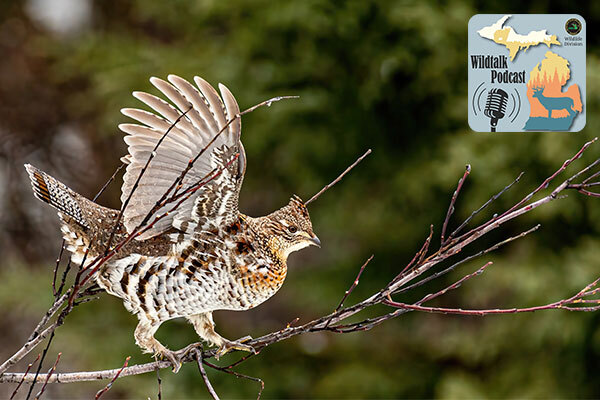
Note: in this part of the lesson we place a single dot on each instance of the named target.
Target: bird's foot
(189, 349)
(229, 345)
(172, 356)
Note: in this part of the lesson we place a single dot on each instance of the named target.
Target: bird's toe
(244, 339)
(189, 349)
(173, 357)
(229, 345)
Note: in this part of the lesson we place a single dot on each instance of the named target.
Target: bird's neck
(270, 245)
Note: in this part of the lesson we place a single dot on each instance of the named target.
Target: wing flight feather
(206, 113)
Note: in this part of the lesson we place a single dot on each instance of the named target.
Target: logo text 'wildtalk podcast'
(496, 64)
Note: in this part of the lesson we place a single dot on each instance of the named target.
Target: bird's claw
(173, 357)
(229, 345)
(181, 354)
(176, 357)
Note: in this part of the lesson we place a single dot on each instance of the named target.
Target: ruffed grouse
(205, 255)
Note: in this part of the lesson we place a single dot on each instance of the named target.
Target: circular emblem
(573, 26)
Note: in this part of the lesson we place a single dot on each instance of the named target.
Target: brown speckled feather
(207, 255)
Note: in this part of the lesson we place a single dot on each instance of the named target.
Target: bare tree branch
(464, 260)
(420, 254)
(159, 382)
(461, 181)
(228, 370)
(487, 203)
(339, 178)
(109, 385)
(26, 372)
(354, 284)
(48, 375)
(209, 386)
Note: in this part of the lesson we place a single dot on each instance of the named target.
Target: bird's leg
(144, 337)
(205, 328)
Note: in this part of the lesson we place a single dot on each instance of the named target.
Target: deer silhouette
(553, 103)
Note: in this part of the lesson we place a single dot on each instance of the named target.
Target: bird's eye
(292, 229)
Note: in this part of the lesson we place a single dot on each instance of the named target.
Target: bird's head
(290, 229)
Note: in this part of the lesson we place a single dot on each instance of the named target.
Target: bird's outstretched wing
(206, 113)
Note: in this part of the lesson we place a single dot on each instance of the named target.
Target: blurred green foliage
(386, 75)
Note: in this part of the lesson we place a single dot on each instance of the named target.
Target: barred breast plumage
(201, 257)
(225, 270)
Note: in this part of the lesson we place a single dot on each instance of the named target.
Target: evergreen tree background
(386, 75)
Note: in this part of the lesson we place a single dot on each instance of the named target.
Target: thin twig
(418, 258)
(159, 381)
(267, 103)
(109, 385)
(481, 313)
(228, 370)
(589, 178)
(487, 203)
(209, 387)
(238, 362)
(584, 170)
(26, 372)
(63, 279)
(588, 193)
(583, 185)
(455, 285)
(36, 337)
(54, 291)
(292, 322)
(339, 178)
(461, 181)
(565, 304)
(108, 182)
(37, 371)
(466, 259)
(544, 185)
(354, 283)
(48, 375)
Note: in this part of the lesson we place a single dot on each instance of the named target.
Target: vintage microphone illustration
(495, 106)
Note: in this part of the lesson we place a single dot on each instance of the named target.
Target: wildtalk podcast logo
(525, 76)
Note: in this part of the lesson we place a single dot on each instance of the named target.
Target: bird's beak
(315, 241)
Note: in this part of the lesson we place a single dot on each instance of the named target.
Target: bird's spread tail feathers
(55, 193)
